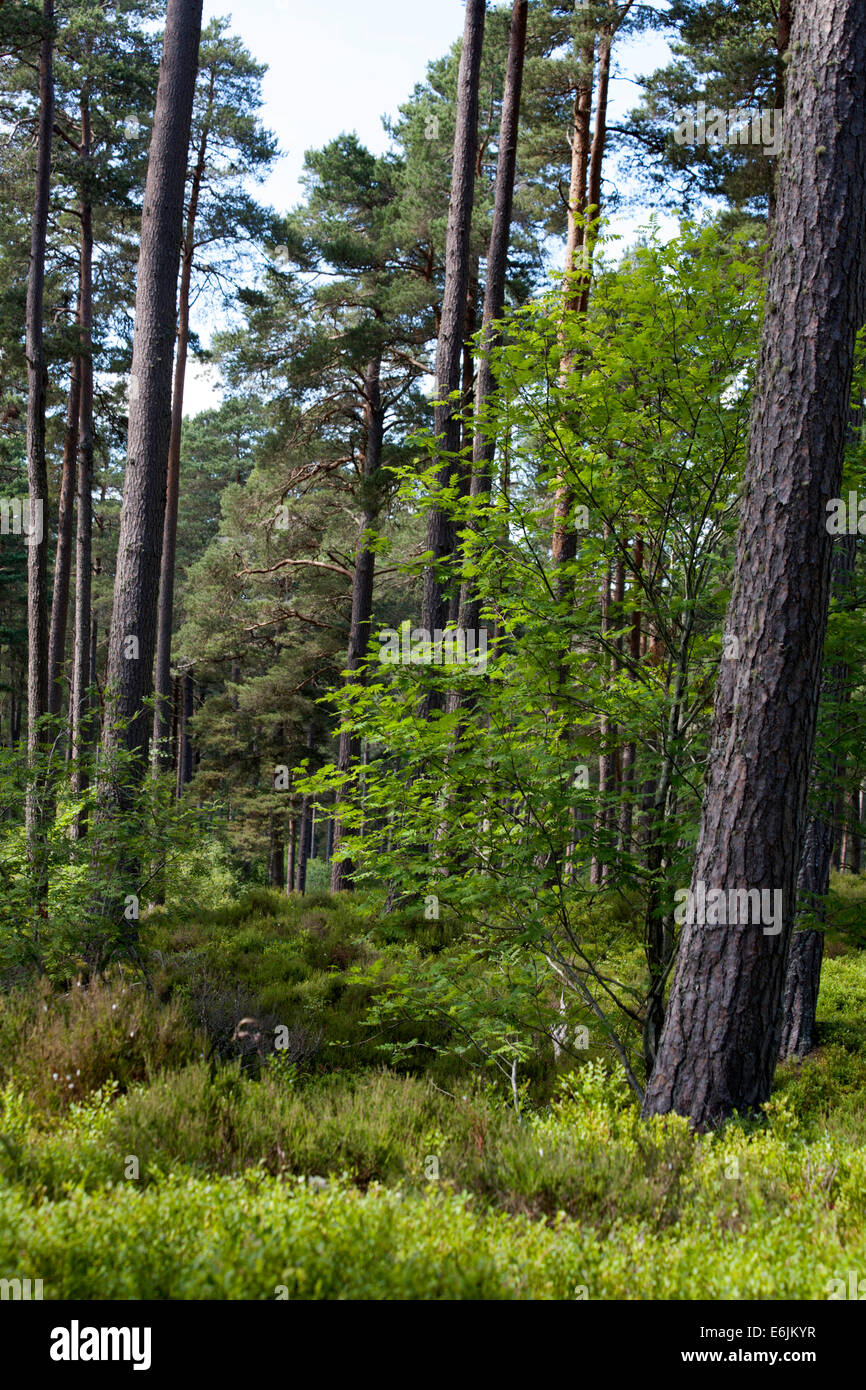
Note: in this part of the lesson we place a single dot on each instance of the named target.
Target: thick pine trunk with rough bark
(721, 1034)
(136, 587)
(449, 349)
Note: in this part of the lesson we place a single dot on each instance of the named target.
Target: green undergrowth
(139, 1160)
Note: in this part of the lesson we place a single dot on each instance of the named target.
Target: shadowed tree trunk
(851, 854)
(63, 554)
(290, 864)
(136, 587)
(276, 864)
(306, 827)
(362, 587)
(449, 349)
(37, 476)
(721, 1034)
(803, 972)
(184, 743)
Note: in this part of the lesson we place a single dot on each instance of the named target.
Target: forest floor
(149, 1151)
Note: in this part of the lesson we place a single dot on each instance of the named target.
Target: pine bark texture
(721, 1035)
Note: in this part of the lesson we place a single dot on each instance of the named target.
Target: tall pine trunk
(63, 553)
(81, 653)
(564, 534)
(449, 348)
(721, 1034)
(483, 442)
(161, 750)
(136, 587)
(37, 475)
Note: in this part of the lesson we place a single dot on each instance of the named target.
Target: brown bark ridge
(362, 586)
(161, 751)
(721, 1034)
(136, 586)
(449, 348)
(37, 476)
(483, 442)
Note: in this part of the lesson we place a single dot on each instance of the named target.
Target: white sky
(341, 65)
